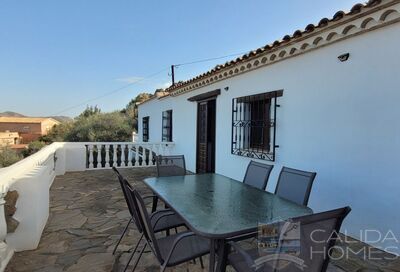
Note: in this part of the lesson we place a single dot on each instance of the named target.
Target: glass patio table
(219, 208)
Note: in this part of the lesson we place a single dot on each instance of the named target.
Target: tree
(94, 126)
(100, 127)
(131, 110)
(89, 111)
(57, 133)
(138, 99)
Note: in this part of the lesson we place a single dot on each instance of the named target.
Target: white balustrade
(128, 154)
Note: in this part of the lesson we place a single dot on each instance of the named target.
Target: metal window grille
(167, 126)
(254, 125)
(145, 129)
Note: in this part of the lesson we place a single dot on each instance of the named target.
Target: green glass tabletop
(218, 207)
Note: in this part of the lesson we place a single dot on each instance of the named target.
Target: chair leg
(201, 263)
(155, 203)
(163, 267)
(138, 258)
(133, 253)
(122, 236)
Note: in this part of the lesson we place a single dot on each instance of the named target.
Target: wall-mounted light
(226, 88)
(344, 57)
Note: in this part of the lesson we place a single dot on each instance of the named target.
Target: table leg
(223, 250)
(212, 256)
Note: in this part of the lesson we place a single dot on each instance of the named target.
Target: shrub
(57, 133)
(9, 157)
(33, 147)
(100, 127)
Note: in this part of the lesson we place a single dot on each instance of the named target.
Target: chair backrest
(126, 189)
(171, 166)
(257, 174)
(148, 230)
(295, 185)
(317, 235)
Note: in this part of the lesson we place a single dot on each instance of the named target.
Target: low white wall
(32, 178)
(32, 207)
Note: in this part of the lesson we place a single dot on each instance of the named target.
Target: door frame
(214, 128)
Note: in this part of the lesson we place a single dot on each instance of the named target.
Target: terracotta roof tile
(297, 34)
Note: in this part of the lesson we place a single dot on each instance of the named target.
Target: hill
(11, 114)
(61, 119)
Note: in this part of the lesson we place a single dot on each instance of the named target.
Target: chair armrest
(177, 241)
(159, 211)
(247, 258)
(154, 199)
(245, 236)
(162, 216)
(150, 196)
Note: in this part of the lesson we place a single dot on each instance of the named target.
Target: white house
(325, 99)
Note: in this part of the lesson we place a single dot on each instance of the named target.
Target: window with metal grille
(167, 126)
(254, 125)
(145, 129)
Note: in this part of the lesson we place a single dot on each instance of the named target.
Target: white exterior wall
(338, 119)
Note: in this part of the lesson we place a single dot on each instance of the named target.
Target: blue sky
(58, 54)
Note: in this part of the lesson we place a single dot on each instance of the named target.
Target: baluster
(151, 154)
(123, 146)
(129, 155)
(90, 149)
(99, 156)
(144, 156)
(137, 155)
(115, 159)
(107, 157)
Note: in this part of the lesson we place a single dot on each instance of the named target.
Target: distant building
(9, 138)
(29, 129)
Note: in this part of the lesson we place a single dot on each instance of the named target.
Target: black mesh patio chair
(170, 250)
(168, 166)
(165, 219)
(121, 182)
(301, 244)
(257, 174)
(295, 185)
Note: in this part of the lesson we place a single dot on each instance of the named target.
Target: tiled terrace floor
(87, 214)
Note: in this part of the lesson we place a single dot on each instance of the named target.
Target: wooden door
(202, 137)
(206, 137)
